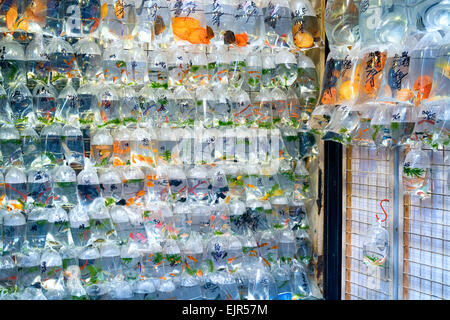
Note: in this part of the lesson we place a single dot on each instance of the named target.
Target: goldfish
(192, 258)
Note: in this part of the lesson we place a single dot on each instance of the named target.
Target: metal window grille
(421, 269)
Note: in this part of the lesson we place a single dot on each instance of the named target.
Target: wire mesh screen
(367, 182)
(426, 236)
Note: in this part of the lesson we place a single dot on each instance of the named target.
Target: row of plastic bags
(276, 23)
(56, 62)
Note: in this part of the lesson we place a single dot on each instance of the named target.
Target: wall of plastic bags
(159, 149)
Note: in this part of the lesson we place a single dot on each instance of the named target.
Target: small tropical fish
(119, 9)
(192, 258)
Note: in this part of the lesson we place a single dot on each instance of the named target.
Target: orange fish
(192, 258)
(230, 260)
(11, 16)
(140, 193)
(199, 273)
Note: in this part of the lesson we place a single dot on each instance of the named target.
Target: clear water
(190, 292)
(45, 107)
(8, 277)
(63, 67)
(247, 19)
(87, 104)
(21, 104)
(15, 191)
(89, 64)
(66, 192)
(286, 73)
(292, 143)
(277, 21)
(178, 189)
(220, 17)
(13, 237)
(67, 107)
(40, 192)
(29, 276)
(81, 234)
(11, 151)
(90, 270)
(36, 233)
(114, 71)
(30, 149)
(38, 72)
(211, 290)
(52, 144)
(75, 149)
(198, 189)
(131, 267)
(88, 193)
(137, 71)
(60, 231)
(131, 187)
(236, 73)
(381, 135)
(110, 266)
(113, 190)
(268, 77)
(400, 131)
(286, 249)
(101, 154)
(13, 72)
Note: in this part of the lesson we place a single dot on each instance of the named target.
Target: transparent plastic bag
(188, 22)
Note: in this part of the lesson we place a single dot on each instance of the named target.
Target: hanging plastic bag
(118, 19)
(188, 22)
(88, 184)
(261, 284)
(416, 171)
(114, 64)
(376, 244)
(38, 65)
(441, 76)
(247, 28)
(381, 126)
(402, 123)
(342, 125)
(423, 58)
(89, 58)
(277, 22)
(121, 146)
(73, 145)
(63, 63)
(107, 112)
(64, 188)
(373, 61)
(430, 122)
(101, 147)
(305, 24)
(79, 226)
(341, 22)
(10, 146)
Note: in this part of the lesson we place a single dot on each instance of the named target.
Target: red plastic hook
(384, 211)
